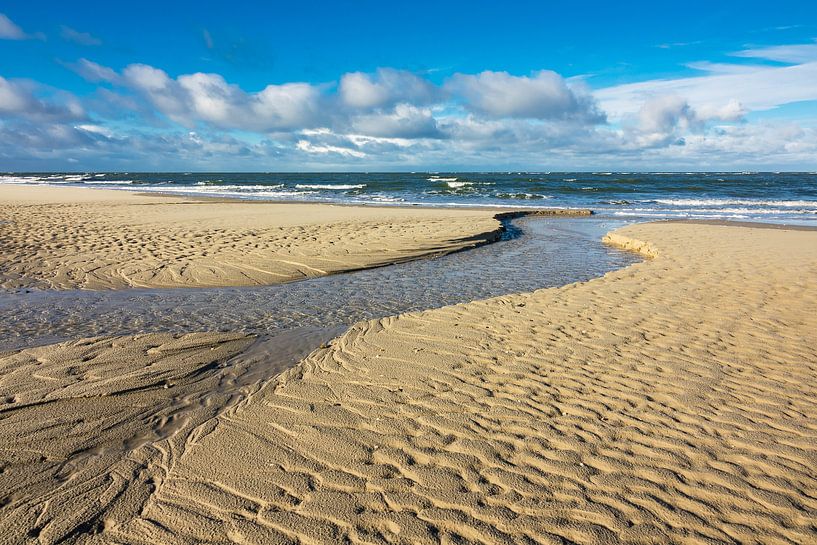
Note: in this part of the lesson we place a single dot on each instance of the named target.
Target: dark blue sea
(785, 197)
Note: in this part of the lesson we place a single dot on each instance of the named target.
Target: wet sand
(66, 238)
(672, 401)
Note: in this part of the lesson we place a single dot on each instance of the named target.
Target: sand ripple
(670, 402)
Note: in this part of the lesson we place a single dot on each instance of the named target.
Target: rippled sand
(670, 402)
(64, 238)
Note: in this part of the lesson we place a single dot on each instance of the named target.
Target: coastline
(775, 197)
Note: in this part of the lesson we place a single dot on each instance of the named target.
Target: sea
(774, 197)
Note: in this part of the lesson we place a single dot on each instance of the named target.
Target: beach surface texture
(672, 401)
(66, 238)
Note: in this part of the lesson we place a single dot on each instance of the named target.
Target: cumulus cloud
(208, 98)
(664, 114)
(81, 38)
(159, 89)
(544, 95)
(660, 120)
(666, 120)
(387, 87)
(405, 121)
(286, 106)
(732, 111)
(18, 100)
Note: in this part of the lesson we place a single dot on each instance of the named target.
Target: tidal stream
(534, 253)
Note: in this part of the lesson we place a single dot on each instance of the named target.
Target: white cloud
(18, 99)
(93, 72)
(309, 147)
(721, 67)
(753, 88)
(81, 38)
(9, 30)
(544, 95)
(664, 114)
(208, 98)
(287, 106)
(385, 88)
(405, 121)
(731, 111)
(159, 89)
(13, 98)
(794, 54)
(661, 121)
(95, 129)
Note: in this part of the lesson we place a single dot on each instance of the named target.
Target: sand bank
(669, 402)
(64, 238)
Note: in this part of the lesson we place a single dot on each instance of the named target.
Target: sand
(673, 401)
(66, 238)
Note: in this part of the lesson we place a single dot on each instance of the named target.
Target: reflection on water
(547, 252)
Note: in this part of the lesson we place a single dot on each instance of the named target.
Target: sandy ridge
(67, 238)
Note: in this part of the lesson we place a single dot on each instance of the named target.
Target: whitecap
(735, 202)
(330, 186)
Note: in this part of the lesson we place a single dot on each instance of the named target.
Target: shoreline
(256, 243)
(579, 211)
(68, 238)
(499, 208)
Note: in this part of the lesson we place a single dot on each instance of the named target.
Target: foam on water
(732, 202)
(330, 186)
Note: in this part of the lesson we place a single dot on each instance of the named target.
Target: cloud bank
(395, 119)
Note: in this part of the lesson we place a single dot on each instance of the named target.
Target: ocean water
(789, 197)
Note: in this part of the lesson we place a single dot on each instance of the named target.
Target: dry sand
(673, 401)
(64, 238)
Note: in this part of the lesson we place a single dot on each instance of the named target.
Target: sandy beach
(672, 401)
(66, 238)
(419, 273)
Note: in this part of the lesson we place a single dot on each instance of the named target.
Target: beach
(68, 238)
(671, 401)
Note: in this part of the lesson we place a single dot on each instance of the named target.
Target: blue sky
(424, 85)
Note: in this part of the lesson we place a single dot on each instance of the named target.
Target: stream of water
(534, 253)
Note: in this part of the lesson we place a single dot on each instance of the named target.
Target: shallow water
(536, 253)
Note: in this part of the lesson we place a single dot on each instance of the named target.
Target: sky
(390, 86)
